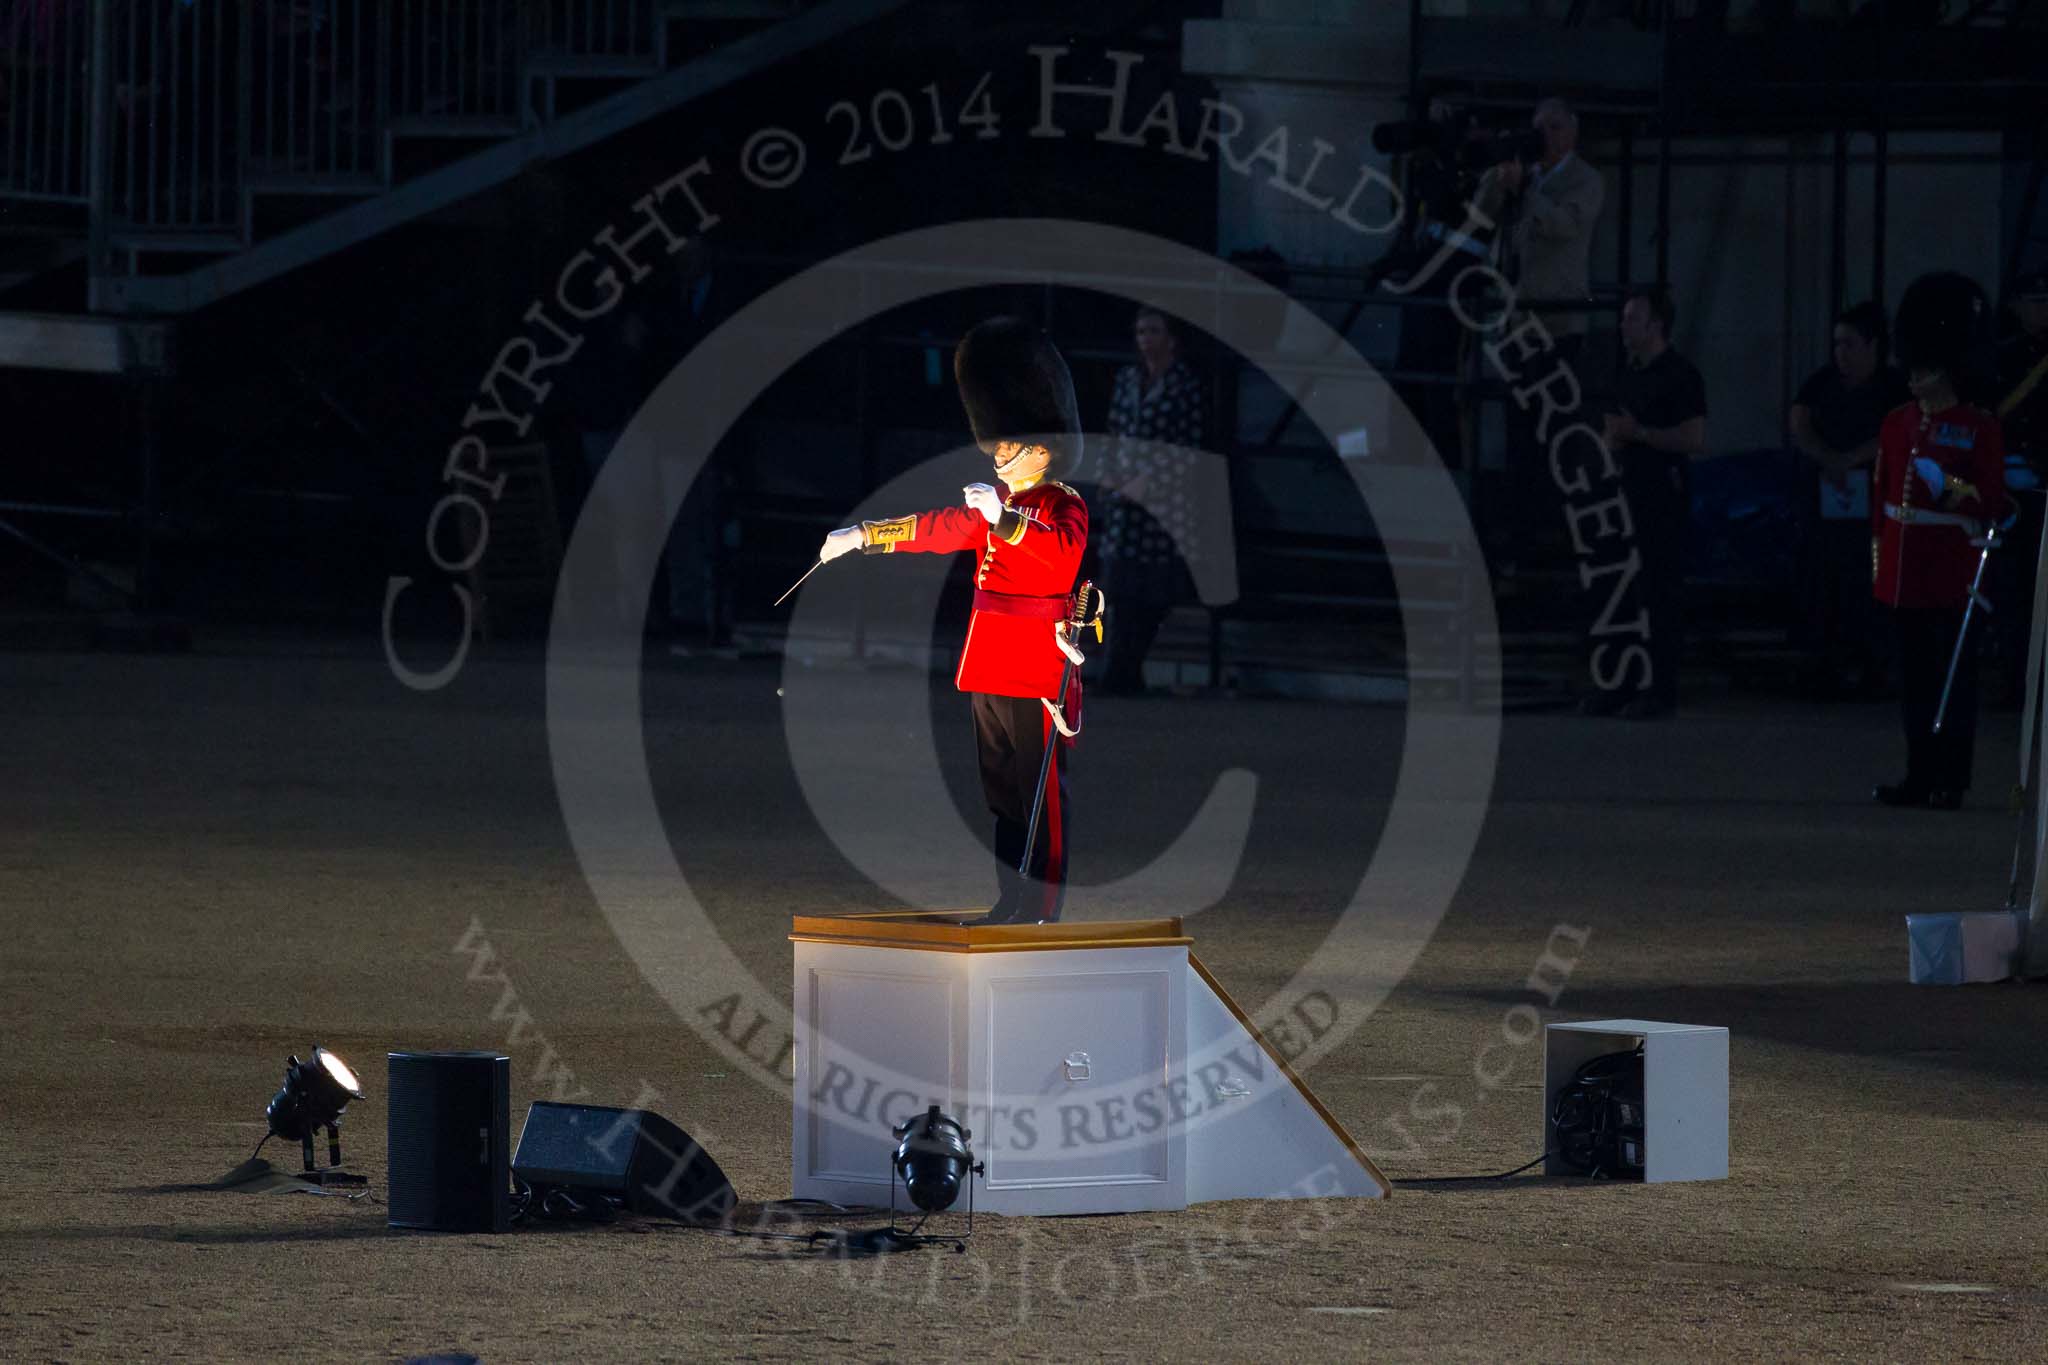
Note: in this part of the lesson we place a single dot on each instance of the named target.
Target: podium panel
(1078, 1039)
(853, 996)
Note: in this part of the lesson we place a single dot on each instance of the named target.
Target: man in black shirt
(1834, 423)
(1656, 425)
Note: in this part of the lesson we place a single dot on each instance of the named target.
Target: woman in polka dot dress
(1155, 411)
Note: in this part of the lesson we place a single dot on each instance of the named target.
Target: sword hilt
(1086, 609)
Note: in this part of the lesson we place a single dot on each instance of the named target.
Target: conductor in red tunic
(1027, 532)
(1939, 479)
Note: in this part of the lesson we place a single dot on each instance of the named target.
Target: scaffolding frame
(2014, 97)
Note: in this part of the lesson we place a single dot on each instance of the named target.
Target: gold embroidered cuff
(882, 537)
(1956, 487)
(1011, 525)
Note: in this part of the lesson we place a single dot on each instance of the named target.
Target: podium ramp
(1272, 1139)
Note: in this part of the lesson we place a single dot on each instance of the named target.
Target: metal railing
(623, 29)
(45, 100)
(167, 120)
(310, 87)
(174, 108)
(457, 59)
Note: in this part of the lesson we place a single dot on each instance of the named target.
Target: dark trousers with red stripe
(1927, 642)
(1010, 735)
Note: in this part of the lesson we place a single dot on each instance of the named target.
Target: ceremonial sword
(1087, 609)
(1992, 538)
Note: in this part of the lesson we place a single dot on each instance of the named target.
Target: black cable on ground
(823, 1204)
(556, 1205)
(1456, 1179)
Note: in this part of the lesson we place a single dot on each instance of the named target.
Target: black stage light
(933, 1160)
(312, 1097)
(1596, 1121)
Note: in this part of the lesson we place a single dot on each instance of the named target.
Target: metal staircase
(191, 149)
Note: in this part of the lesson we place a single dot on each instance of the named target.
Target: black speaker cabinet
(451, 1127)
(632, 1156)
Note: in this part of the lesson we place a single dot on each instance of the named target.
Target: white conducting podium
(1100, 1067)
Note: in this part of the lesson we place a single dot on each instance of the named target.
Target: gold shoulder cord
(1906, 479)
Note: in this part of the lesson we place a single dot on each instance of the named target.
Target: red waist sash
(1016, 604)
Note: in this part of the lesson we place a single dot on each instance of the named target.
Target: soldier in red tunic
(1939, 478)
(1027, 532)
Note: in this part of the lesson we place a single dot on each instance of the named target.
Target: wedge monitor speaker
(631, 1158)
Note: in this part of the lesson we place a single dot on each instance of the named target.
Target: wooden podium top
(955, 931)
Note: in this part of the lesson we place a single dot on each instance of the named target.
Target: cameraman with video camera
(1441, 159)
(1546, 199)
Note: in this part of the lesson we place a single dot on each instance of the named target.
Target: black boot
(1010, 898)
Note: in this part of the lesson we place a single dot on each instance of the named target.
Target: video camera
(1445, 156)
(1455, 138)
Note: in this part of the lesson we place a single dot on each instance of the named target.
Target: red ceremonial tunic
(1024, 581)
(1920, 542)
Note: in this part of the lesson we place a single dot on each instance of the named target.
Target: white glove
(984, 499)
(1930, 474)
(844, 541)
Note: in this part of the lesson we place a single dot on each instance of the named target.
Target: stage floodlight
(312, 1097)
(338, 1072)
(933, 1160)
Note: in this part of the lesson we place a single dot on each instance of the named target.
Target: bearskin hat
(1015, 387)
(1944, 323)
